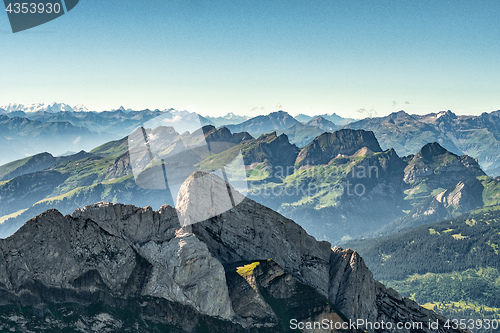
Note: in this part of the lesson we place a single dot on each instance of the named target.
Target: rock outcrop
(464, 197)
(358, 295)
(440, 168)
(264, 290)
(139, 267)
(271, 149)
(327, 146)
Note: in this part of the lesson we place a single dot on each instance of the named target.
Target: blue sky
(256, 56)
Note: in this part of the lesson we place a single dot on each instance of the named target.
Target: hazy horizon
(357, 115)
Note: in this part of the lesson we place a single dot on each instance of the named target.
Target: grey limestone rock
(114, 254)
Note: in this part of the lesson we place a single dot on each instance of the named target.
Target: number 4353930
(472, 324)
(33, 8)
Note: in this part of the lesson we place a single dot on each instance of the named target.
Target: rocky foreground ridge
(120, 268)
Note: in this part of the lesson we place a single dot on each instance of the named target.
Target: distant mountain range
(299, 133)
(476, 136)
(334, 118)
(41, 107)
(341, 185)
(322, 123)
(228, 119)
(279, 120)
(86, 129)
(21, 137)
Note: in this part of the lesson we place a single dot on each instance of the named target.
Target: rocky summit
(327, 146)
(120, 268)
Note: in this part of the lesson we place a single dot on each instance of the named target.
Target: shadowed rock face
(272, 149)
(329, 145)
(264, 290)
(440, 167)
(142, 261)
(465, 196)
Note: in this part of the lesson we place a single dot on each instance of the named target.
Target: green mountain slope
(451, 266)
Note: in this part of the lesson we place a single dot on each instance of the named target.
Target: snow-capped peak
(12, 107)
(41, 107)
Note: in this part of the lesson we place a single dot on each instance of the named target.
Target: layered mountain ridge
(342, 180)
(21, 137)
(477, 136)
